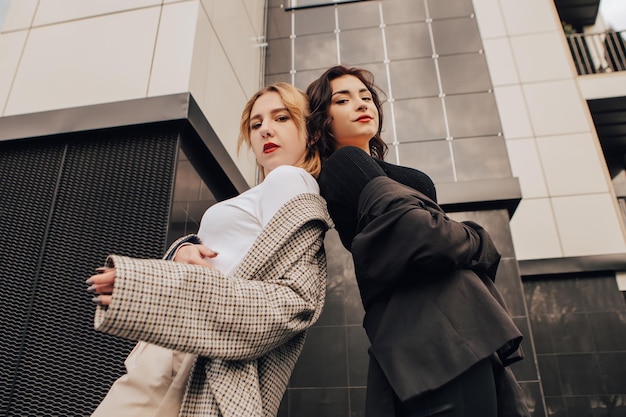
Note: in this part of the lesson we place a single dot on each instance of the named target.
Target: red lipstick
(269, 147)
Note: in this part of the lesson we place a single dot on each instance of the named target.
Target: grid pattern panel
(26, 192)
(113, 197)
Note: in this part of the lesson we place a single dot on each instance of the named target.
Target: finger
(102, 300)
(207, 252)
(107, 277)
(100, 289)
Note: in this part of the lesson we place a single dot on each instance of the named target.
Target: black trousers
(471, 394)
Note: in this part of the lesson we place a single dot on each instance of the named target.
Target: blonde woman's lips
(269, 147)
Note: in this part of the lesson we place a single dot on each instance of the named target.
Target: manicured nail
(97, 300)
(92, 288)
(101, 269)
(89, 280)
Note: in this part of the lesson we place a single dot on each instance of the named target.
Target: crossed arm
(103, 283)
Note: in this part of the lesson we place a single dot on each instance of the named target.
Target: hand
(194, 255)
(102, 284)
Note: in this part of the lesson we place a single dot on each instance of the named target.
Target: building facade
(118, 116)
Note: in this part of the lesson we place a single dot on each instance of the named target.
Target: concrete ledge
(535, 267)
(123, 113)
(489, 194)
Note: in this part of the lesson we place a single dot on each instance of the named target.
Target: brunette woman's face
(353, 112)
(274, 136)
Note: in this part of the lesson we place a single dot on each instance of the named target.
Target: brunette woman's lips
(364, 119)
(269, 147)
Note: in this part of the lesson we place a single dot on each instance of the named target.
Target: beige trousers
(153, 386)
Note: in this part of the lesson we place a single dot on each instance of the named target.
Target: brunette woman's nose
(361, 105)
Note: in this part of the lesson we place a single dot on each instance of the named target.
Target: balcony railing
(598, 52)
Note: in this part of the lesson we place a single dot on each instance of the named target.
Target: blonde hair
(297, 104)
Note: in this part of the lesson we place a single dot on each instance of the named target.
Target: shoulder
(410, 177)
(291, 179)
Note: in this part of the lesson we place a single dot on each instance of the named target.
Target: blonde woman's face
(274, 136)
(353, 112)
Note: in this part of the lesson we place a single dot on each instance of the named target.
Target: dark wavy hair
(318, 124)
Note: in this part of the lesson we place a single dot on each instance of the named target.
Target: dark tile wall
(192, 197)
(579, 328)
(330, 376)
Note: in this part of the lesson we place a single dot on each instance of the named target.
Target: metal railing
(598, 52)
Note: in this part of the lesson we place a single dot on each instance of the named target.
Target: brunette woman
(440, 336)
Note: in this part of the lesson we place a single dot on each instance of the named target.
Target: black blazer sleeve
(403, 234)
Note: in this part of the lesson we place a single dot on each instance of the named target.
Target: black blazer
(427, 286)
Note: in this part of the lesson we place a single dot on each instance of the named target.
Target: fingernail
(92, 288)
(101, 269)
(89, 280)
(97, 300)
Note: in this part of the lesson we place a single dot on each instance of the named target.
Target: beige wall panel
(11, 46)
(55, 11)
(171, 69)
(85, 62)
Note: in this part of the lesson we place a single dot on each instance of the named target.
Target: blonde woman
(223, 325)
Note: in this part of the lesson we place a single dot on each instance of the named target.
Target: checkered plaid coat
(247, 329)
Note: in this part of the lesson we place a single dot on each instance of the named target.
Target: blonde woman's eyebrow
(272, 112)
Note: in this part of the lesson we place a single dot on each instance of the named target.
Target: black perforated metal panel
(65, 203)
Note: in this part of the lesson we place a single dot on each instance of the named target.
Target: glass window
(302, 4)
(408, 41)
(361, 45)
(357, 16)
(315, 51)
(274, 78)
(419, 119)
(278, 24)
(432, 157)
(278, 56)
(467, 73)
(403, 11)
(302, 79)
(414, 78)
(312, 21)
(454, 36)
(441, 9)
(472, 115)
(481, 158)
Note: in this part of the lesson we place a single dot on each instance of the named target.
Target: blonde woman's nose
(266, 132)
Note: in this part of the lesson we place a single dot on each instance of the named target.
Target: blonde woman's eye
(282, 118)
(255, 126)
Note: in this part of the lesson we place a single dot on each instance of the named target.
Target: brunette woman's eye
(367, 98)
(342, 101)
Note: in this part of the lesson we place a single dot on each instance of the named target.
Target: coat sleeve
(402, 234)
(199, 310)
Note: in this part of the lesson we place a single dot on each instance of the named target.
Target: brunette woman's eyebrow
(362, 90)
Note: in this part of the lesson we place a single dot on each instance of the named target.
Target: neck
(365, 147)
